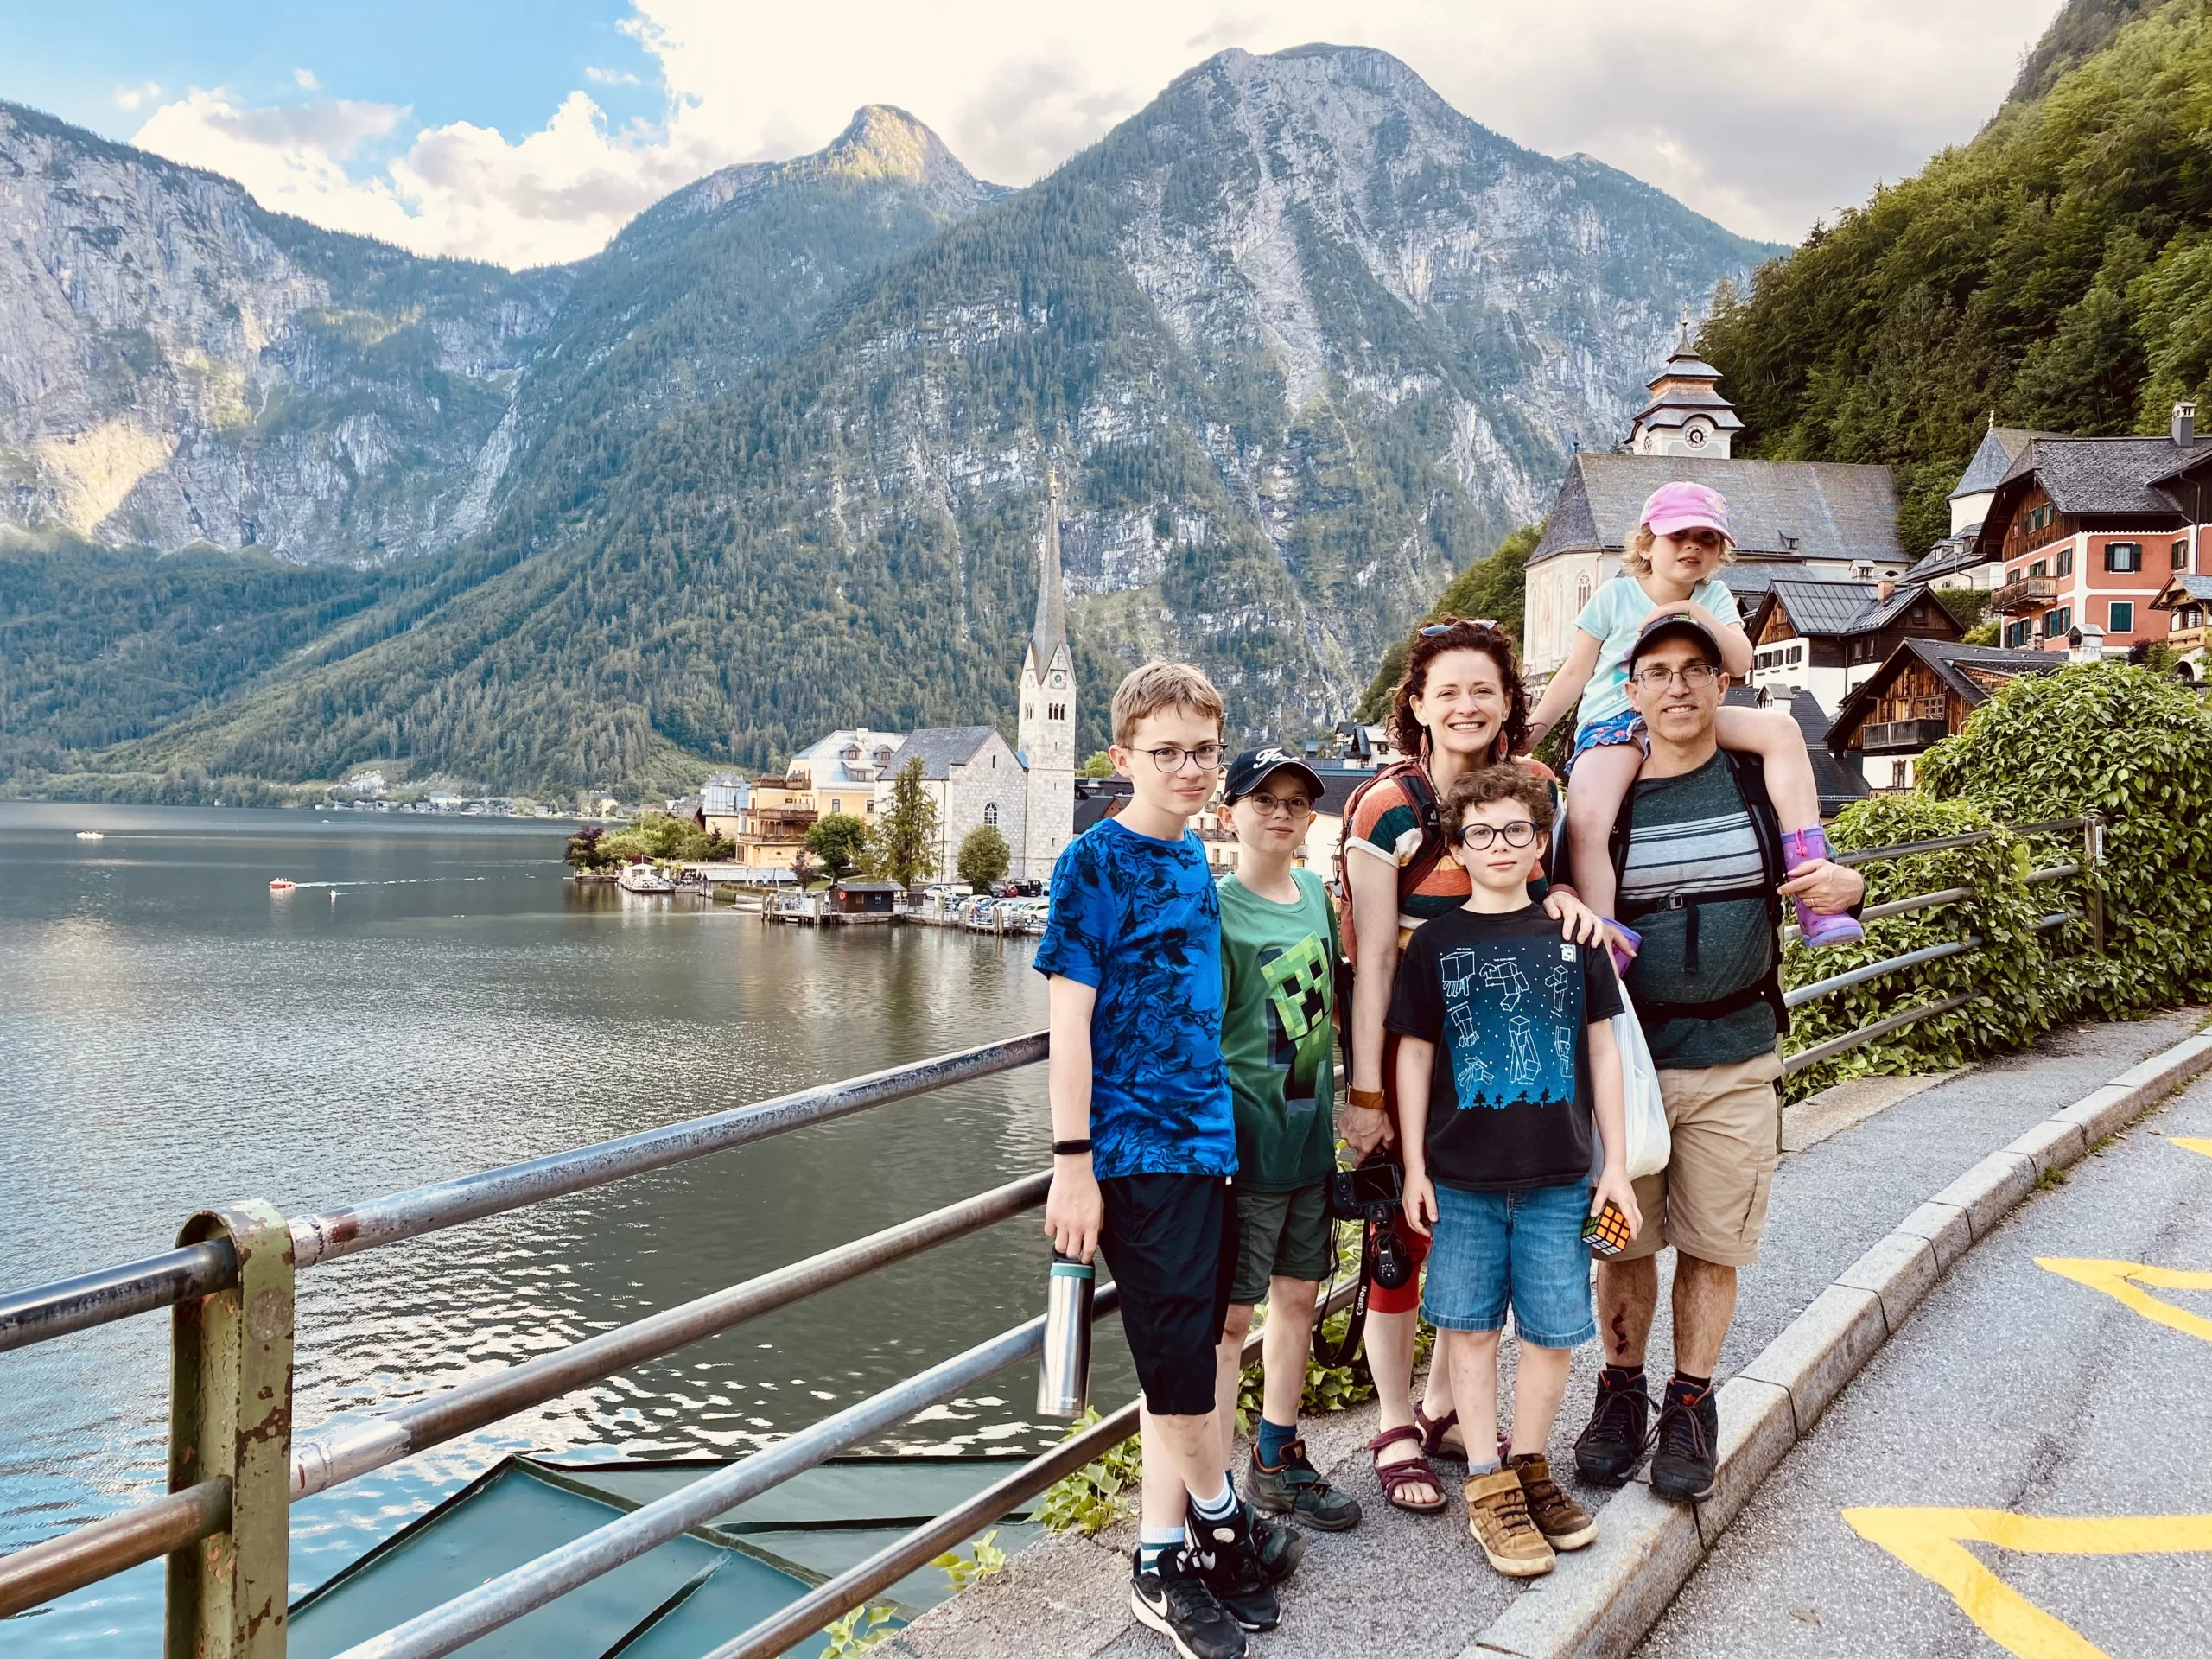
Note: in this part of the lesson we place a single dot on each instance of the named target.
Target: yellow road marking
(1933, 1543)
(2123, 1282)
(2195, 1143)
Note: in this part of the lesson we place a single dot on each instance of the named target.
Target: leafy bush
(655, 836)
(2021, 986)
(984, 857)
(2137, 749)
(1089, 1500)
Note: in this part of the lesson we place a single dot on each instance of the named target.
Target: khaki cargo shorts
(1710, 1202)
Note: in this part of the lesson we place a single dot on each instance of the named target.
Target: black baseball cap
(1674, 626)
(1255, 767)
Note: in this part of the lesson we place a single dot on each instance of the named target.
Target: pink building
(2091, 531)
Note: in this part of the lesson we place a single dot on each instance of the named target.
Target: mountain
(1302, 339)
(2056, 272)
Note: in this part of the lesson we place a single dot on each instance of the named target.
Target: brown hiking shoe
(1564, 1523)
(1498, 1515)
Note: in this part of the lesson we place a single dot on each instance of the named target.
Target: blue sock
(1153, 1543)
(1490, 1468)
(1219, 1507)
(1273, 1438)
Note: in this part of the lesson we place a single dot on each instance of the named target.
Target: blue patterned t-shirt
(1138, 919)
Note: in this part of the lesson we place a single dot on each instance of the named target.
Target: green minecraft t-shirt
(1278, 971)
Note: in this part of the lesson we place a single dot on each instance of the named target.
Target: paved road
(2076, 1419)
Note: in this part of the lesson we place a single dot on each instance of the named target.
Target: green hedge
(2121, 742)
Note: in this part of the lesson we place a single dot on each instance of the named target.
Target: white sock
(1220, 1506)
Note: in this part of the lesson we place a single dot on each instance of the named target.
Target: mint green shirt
(1278, 973)
(1614, 616)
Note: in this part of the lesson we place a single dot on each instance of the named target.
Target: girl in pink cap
(1670, 566)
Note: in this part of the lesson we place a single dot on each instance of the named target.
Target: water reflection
(178, 1036)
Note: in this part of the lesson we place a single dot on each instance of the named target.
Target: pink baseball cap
(1681, 505)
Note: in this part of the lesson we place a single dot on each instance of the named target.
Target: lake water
(435, 999)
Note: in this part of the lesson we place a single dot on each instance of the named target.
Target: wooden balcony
(1902, 736)
(2029, 593)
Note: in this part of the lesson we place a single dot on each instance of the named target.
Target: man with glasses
(1698, 853)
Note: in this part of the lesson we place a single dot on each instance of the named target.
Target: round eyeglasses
(1169, 757)
(1694, 676)
(1478, 837)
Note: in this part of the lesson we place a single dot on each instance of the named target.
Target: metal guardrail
(234, 1468)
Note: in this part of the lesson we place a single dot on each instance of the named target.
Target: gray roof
(1832, 610)
(1956, 664)
(2195, 590)
(1049, 635)
(2090, 476)
(1830, 510)
(1959, 552)
(1999, 447)
(940, 748)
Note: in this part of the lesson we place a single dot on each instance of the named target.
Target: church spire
(1051, 634)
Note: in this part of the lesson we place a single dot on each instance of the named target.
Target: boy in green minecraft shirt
(1278, 958)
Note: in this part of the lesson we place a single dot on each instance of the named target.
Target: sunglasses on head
(1435, 628)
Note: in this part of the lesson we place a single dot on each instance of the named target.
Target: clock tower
(1687, 416)
(1046, 729)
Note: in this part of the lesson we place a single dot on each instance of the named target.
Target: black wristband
(1070, 1148)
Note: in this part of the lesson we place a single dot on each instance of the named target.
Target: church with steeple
(1045, 730)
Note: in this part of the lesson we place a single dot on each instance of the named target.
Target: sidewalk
(1408, 1585)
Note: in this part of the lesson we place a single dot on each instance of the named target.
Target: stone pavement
(1403, 1585)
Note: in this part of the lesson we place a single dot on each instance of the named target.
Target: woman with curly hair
(1459, 706)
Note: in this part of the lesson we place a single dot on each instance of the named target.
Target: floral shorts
(1626, 726)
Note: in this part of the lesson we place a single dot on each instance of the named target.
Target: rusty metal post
(231, 1420)
(2092, 897)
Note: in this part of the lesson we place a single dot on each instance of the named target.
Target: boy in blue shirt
(1144, 1142)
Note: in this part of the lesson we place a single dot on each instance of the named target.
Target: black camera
(1370, 1195)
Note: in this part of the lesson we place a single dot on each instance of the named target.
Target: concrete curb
(1602, 1604)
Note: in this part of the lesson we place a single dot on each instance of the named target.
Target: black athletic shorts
(1170, 1243)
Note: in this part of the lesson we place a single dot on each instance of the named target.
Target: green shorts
(1284, 1235)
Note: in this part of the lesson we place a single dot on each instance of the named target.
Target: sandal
(1441, 1436)
(1410, 1472)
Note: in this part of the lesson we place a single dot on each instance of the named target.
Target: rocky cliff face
(177, 366)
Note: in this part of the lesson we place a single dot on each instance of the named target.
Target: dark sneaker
(1226, 1554)
(1282, 1546)
(1179, 1606)
(1690, 1440)
(1564, 1523)
(1296, 1488)
(1606, 1452)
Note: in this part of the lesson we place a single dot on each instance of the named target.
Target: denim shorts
(1626, 726)
(1523, 1247)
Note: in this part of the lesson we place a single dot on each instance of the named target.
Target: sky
(529, 133)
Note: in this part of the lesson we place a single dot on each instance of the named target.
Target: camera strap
(1345, 1352)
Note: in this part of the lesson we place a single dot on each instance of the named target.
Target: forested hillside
(2056, 271)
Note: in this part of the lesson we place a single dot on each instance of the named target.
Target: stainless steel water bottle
(1064, 1378)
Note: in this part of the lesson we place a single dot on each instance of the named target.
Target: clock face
(1058, 678)
(1696, 436)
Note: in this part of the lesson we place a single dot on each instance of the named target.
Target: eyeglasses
(1268, 807)
(1478, 837)
(1169, 757)
(1694, 676)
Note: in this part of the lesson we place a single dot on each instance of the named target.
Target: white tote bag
(1649, 1145)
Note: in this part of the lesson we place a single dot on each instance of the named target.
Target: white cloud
(600, 77)
(130, 98)
(1763, 115)
(305, 80)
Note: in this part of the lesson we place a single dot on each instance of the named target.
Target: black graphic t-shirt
(1507, 1003)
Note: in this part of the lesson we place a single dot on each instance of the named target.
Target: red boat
(281, 884)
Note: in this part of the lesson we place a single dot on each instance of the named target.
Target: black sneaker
(1225, 1554)
(1282, 1546)
(1606, 1452)
(1690, 1440)
(1178, 1604)
(1295, 1488)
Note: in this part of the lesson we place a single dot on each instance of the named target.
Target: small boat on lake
(283, 884)
(645, 878)
(90, 835)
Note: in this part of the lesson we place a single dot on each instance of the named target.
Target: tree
(585, 852)
(839, 841)
(900, 849)
(804, 870)
(1100, 764)
(984, 857)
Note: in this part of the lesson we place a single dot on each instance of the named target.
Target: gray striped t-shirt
(1692, 834)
